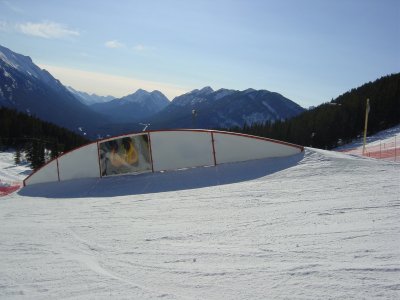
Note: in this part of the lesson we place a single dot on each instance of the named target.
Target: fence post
(213, 148)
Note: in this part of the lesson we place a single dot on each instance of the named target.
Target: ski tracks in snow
(326, 227)
(94, 257)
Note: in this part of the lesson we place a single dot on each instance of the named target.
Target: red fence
(388, 150)
(6, 189)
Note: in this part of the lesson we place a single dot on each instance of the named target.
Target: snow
(7, 60)
(194, 97)
(383, 136)
(6, 74)
(23, 64)
(383, 145)
(270, 108)
(221, 93)
(206, 90)
(317, 225)
(9, 172)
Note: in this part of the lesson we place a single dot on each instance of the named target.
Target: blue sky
(308, 50)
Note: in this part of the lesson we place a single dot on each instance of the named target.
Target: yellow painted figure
(124, 155)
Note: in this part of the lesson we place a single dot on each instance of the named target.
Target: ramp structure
(155, 151)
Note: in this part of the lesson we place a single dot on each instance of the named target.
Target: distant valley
(29, 89)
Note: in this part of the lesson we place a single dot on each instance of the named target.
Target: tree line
(37, 138)
(340, 120)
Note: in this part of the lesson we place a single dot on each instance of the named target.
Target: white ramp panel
(80, 163)
(173, 150)
(47, 173)
(234, 148)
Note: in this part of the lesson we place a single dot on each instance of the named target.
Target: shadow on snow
(158, 182)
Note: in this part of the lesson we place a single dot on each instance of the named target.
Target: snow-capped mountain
(29, 89)
(22, 64)
(224, 108)
(89, 99)
(134, 107)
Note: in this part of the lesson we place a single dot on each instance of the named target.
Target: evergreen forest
(40, 140)
(341, 120)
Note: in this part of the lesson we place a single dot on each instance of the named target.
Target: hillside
(341, 120)
(29, 89)
(26, 133)
(132, 108)
(206, 108)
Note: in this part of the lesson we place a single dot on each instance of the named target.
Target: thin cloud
(139, 47)
(47, 30)
(113, 44)
(142, 48)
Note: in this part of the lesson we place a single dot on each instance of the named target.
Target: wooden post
(366, 125)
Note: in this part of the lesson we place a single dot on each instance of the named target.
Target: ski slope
(9, 172)
(319, 225)
(11, 175)
(383, 145)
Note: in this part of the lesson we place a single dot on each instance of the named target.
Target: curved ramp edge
(164, 150)
(159, 182)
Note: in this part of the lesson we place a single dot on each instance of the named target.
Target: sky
(310, 51)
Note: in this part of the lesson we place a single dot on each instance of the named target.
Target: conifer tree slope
(340, 120)
(33, 136)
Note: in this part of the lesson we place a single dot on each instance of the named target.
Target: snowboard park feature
(315, 225)
(156, 151)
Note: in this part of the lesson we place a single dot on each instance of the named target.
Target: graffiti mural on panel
(125, 155)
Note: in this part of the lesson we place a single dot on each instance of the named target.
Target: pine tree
(17, 156)
(35, 154)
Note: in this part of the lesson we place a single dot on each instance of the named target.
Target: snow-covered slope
(383, 136)
(382, 145)
(11, 175)
(24, 65)
(9, 171)
(27, 88)
(320, 225)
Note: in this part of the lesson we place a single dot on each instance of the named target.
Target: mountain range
(89, 99)
(132, 108)
(29, 89)
(225, 108)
